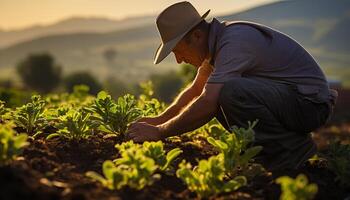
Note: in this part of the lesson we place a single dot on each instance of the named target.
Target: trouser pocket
(309, 115)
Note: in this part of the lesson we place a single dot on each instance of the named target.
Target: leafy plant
(2, 107)
(115, 116)
(31, 116)
(296, 189)
(11, 145)
(216, 130)
(155, 150)
(338, 159)
(150, 106)
(137, 165)
(234, 149)
(208, 178)
(75, 125)
(136, 171)
(3, 110)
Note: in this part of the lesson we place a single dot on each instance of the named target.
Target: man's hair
(202, 26)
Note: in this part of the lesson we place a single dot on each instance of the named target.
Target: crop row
(77, 116)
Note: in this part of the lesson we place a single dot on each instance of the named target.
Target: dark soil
(54, 169)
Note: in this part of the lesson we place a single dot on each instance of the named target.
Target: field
(73, 146)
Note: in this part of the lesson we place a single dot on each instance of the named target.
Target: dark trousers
(286, 119)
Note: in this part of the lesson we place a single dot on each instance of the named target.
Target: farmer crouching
(246, 71)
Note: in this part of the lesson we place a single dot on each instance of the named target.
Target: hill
(72, 25)
(322, 28)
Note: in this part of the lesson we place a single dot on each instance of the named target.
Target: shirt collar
(215, 31)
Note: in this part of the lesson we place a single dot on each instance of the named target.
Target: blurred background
(50, 46)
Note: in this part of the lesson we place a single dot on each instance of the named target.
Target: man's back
(256, 51)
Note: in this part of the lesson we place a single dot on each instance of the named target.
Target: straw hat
(173, 24)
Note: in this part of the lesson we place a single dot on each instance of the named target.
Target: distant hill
(72, 25)
(308, 21)
(322, 27)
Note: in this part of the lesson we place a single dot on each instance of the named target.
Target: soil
(54, 169)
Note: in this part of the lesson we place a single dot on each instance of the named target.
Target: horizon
(35, 13)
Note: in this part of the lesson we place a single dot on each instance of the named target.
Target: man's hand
(142, 131)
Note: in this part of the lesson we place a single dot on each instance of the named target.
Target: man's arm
(202, 110)
(193, 116)
(183, 99)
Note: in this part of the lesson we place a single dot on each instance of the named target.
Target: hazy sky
(16, 14)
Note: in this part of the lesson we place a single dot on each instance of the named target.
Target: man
(246, 71)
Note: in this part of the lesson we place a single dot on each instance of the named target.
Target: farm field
(73, 146)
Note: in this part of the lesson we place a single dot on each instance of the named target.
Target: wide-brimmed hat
(173, 24)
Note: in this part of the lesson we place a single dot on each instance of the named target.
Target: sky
(17, 14)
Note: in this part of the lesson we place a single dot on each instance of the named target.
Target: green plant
(150, 106)
(115, 116)
(216, 130)
(137, 165)
(11, 145)
(31, 116)
(296, 189)
(75, 125)
(208, 178)
(136, 171)
(338, 159)
(155, 150)
(3, 111)
(234, 149)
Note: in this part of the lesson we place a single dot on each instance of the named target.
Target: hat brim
(165, 49)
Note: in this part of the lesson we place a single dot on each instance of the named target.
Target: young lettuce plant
(338, 160)
(235, 151)
(208, 178)
(150, 106)
(31, 116)
(155, 150)
(11, 145)
(3, 111)
(75, 125)
(296, 189)
(115, 116)
(133, 169)
(137, 166)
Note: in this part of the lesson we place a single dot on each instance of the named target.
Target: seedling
(150, 105)
(137, 166)
(338, 159)
(115, 116)
(31, 116)
(11, 145)
(208, 178)
(3, 111)
(234, 149)
(75, 125)
(296, 189)
(156, 151)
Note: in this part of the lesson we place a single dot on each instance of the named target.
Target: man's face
(192, 49)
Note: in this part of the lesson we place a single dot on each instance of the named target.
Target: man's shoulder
(244, 31)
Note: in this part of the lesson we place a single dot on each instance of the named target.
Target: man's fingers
(130, 134)
(137, 125)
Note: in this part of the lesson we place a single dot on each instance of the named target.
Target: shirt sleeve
(233, 57)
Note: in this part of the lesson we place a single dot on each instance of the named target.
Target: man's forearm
(181, 101)
(194, 116)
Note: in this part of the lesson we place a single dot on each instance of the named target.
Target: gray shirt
(246, 49)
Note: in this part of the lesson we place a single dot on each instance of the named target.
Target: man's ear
(196, 35)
